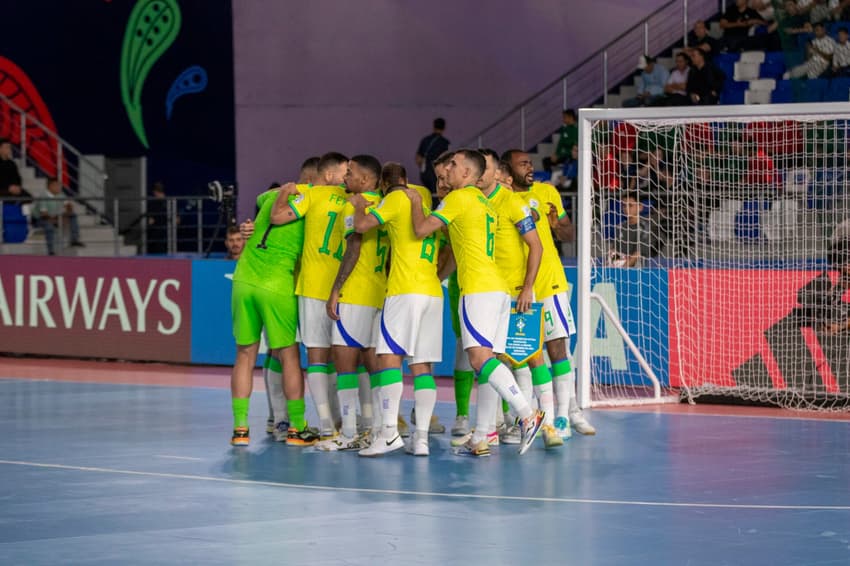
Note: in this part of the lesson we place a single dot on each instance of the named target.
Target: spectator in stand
(431, 147)
(699, 39)
(795, 21)
(569, 172)
(650, 83)
(676, 89)
(820, 11)
(705, 81)
(10, 177)
(820, 50)
(841, 55)
(567, 137)
(234, 242)
(736, 23)
(634, 239)
(47, 212)
(765, 11)
(840, 9)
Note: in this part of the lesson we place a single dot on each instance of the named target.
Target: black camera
(225, 196)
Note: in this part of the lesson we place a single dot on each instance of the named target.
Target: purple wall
(369, 76)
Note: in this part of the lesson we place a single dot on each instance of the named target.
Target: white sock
(277, 399)
(546, 398)
(562, 386)
(390, 401)
(317, 380)
(485, 411)
(523, 379)
(365, 396)
(502, 380)
(348, 407)
(424, 399)
(333, 401)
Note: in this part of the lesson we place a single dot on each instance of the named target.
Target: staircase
(98, 236)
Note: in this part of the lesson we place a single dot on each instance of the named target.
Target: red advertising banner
(134, 309)
(728, 325)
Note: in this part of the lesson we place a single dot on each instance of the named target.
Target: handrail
(52, 134)
(601, 52)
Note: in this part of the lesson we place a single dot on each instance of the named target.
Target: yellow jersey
(413, 266)
(321, 207)
(551, 279)
(367, 283)
(514, 219)
(427, 198)
(472, 223)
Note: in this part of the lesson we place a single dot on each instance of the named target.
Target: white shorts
(484, 319)
(412, 326)
(557, 317)
(314, 323)
(358, 326)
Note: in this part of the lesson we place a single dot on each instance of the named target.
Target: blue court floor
(99, 473)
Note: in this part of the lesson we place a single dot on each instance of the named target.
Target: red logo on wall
(131, 309)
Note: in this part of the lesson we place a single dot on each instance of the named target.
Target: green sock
(463, 389)
(541, 375)
(295, 408)
(240, 412)
(505, 406)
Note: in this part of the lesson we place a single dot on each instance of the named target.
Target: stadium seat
(783, 92)
(721, 221)
(748, 220)
(780, 221)
(772, 70)
(774, 57)
(15, 225)
(796, 182)
(733, 92)
(839, 90)
(811, 90)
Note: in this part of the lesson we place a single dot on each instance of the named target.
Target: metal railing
(536, 118)
(168, 226)
(41, 147)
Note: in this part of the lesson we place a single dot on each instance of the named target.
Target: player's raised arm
(282, 212)
(422, 225)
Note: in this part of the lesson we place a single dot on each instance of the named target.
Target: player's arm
(563, 226)
(422, 225)
(282, 211)
(446, 264)
(346, 266)
(363, 220)
(532, 263)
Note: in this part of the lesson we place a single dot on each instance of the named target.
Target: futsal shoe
(403, 429)
(435, 426)
(240, 436)
(551, 438)
(281, 431)
(492, 439)
(270, 425)
(562, 426)
(581, 425)
(382, 445)
(510, 434)
(305, 437)
(417, 445)
(528, 429)
(344, 443)
(461, 426)
(478, 449)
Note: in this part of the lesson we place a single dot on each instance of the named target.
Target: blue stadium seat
(15, 227)
(748, 220)
(811, 90)
(733, 92)
(772, 70)
(774, 57)
(839, 90)
(782, 93)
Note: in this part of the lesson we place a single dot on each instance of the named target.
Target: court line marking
(189, 458)
(434, 494)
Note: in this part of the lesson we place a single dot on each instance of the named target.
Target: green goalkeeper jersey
(272, 252)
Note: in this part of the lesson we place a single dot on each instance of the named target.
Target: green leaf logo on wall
(153, 27)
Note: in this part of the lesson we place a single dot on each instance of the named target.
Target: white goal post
(731, 216)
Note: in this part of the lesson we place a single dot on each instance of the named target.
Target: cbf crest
(525, 333)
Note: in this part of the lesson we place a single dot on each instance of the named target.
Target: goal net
(716, 237)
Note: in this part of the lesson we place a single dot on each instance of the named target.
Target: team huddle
(350, 262)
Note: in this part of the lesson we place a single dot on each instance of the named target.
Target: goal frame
(586, 118)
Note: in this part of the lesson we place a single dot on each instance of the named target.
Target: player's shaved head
(393, 174)
(370, 164)
(330, 159)
(474, 160)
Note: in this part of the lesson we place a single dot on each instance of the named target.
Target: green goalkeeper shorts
(255, 308)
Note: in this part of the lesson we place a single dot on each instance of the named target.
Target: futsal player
(484, 301)
(551, 288)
